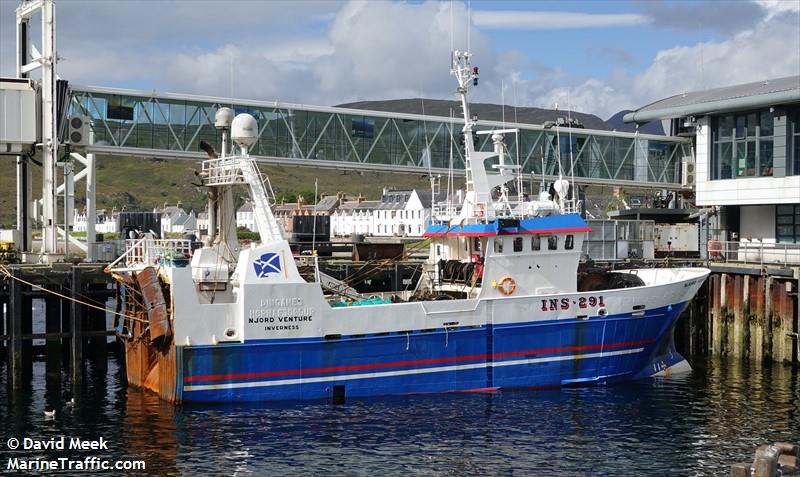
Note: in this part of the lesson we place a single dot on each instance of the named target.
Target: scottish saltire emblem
(268, 263)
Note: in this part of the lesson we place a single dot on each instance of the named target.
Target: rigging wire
(10, 275)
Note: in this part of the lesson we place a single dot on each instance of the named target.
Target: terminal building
(746, 140)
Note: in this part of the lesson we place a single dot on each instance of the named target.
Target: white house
(244, 217)
(202, 222)
(747, 153)
(175, 220)
(353, 217)
(399, 213)
(106, 222)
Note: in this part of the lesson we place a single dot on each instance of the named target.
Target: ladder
(266, 224)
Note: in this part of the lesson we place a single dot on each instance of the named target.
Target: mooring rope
(10, 275)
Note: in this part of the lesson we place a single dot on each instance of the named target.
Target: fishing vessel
(500, 303)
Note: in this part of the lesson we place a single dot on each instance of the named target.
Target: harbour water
(693, 425)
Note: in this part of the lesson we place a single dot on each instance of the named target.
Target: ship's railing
(572, 206)
(443, 211)
(223, 170)
(754, 252)
(152, 251)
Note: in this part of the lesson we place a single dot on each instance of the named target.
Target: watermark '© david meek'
(57, 443)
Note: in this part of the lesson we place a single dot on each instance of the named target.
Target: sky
(597, 57)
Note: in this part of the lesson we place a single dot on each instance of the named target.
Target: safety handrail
(755, 252)
(130, 249)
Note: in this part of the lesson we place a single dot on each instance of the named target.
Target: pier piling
(76, 328)
(15, 334)
(64, 325)
(754, 313)
(53, 343)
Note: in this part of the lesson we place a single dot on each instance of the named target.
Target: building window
(569, 243)
(793, 159)
(787, 223)
(742, 145)
(517, 244)
(536, 243)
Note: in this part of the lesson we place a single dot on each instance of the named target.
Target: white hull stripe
(405, 372)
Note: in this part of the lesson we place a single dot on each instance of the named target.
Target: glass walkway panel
(150, 122)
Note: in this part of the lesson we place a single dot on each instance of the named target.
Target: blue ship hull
(486, 358)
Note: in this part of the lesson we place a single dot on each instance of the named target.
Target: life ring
(507, 286)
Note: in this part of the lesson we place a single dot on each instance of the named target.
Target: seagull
(50, 414)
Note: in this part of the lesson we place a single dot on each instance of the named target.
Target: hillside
(148, 183)
(618, 124)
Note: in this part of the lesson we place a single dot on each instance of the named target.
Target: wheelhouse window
(498, 245)
(569, 242)
(787, 223)
(476, 244)
(552, 242)
(517, 244)
(536, 243)
(742, 145)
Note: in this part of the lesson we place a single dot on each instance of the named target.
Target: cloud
(594, 96)
(750, 55)
(327, 53)
(619, 56)
(360, 56)
(134, 37)
(777, 7)
(724, 16)
(548, 20)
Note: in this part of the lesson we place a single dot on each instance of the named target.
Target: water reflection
(691, 425)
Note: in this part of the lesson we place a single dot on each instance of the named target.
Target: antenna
(516, 145)
(558, 148)
(230, 67)
(541, 154)
(450, 185)
(469, 21)
(571, 162)
(503, 101)
(427, 153)
(451, 28)
(314, 225)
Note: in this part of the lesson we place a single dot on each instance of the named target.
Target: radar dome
(244, 130)
(223, 118)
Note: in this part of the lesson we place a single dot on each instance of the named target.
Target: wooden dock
(75, 318)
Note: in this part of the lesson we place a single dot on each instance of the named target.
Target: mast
(478, 203)
(465, 74)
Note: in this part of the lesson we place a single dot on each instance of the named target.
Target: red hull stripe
(413, 362)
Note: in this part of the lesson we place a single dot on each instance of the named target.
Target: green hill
(147, 183)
